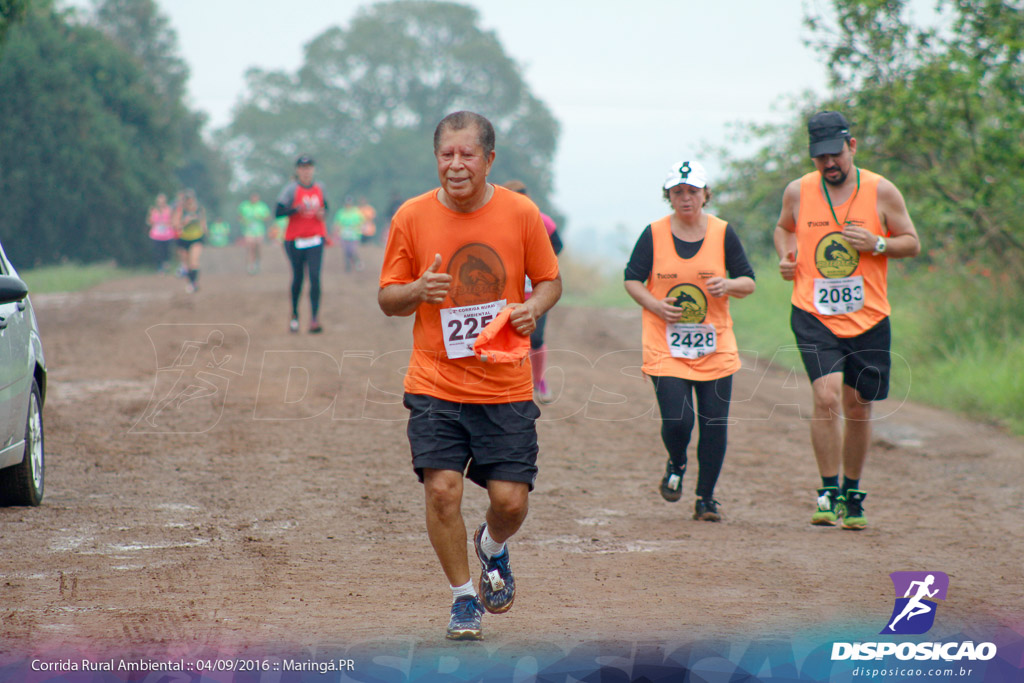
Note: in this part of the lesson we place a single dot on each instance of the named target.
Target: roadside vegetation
(73, 277)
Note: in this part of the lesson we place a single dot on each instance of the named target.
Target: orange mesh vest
(684, 279)
(845, 289)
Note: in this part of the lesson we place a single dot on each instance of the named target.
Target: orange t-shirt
(369, 215)
(843, 288)
(690, 356)
(489, 253)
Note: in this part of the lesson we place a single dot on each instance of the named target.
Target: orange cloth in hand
(500, 343)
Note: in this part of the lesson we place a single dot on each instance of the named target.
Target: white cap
(686, 173)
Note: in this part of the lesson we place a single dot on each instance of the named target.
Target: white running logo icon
(915, 607)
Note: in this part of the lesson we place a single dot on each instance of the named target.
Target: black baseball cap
(828, 131)
(305, 160)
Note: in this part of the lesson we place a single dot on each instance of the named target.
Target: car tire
(22, 484)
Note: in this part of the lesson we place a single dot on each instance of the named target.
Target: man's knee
(512, 509)
(443, 491)
(857, 409)
(826, 402)
(509, 500)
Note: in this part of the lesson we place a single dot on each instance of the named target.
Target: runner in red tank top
(305, 205)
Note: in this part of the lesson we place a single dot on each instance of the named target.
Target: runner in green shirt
(254, 214)
(220, 234)
(349, 222)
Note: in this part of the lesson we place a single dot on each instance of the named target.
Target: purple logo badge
(916, 595)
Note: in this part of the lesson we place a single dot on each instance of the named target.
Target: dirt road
(218, 485)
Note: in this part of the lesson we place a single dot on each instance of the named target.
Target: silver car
(22, 391)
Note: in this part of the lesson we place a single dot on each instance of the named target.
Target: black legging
(675, 399)
(303, 260)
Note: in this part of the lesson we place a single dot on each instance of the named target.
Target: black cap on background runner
(304, 160)
(828, 131)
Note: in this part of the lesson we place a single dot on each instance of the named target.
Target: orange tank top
(702, 345)
(845, 289)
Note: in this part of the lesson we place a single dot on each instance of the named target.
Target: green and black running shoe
(851, 509)
(828, 502)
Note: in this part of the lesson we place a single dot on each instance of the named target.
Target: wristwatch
(880, 245)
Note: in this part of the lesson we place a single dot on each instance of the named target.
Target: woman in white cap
(683, 270)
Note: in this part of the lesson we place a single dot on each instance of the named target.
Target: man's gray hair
(464, 119)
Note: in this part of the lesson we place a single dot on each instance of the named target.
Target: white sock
(464, 589)
(489, 545)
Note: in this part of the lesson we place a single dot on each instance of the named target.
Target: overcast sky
(635, 86)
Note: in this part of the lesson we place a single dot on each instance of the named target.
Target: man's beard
(837, 182)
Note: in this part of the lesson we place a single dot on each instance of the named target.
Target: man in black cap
(839, 226)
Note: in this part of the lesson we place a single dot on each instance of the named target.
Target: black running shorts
(864, 360)
(486, 441)
(187, 244)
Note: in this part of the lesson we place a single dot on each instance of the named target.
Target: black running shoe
(672, 482)
(706, 510)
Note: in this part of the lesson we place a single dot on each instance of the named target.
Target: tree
(938, 110)
(941, 113)
(140, 29)
(81, 151)
(10, 12)
(367, 99)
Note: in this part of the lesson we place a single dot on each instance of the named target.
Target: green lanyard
(829, 200)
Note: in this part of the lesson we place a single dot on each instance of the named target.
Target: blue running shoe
(497, 585)
(465, 622)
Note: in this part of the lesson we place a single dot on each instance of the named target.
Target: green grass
(982, 380)
(72, 277)
(964, 339)
(958, 332)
